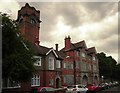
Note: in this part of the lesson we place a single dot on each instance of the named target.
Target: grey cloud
(100, 10)
(108, 46)
(74, 16)
(72, 12)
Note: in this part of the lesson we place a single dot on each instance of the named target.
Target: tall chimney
(56, 45)
(67, 43)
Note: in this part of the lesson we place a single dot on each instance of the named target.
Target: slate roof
(78, 45)
(42, 50)
(91, 50)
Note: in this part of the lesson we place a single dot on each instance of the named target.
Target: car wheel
(78, 92)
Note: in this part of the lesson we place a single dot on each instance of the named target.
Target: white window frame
(64, 65)
(58, 65)
(83, 54)
(77, 53)
(35, 81)
(93, 58)
(38, 63)
(51, 63)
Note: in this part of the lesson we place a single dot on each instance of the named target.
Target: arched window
(32, 21)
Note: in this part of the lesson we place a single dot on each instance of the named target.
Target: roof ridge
(79, 42)
(91, 47)
(44, 47)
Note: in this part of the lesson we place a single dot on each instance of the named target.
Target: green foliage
(116, 72)
(17, 54)
(107, 66)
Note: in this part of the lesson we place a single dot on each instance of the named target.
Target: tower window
(32, 21)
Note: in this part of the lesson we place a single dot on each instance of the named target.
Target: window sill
(35, 85)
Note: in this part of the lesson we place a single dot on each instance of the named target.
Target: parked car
(115, 83)
(78, 88)
(93, 88)
(69, 88)
(105, 85)
(45, 90)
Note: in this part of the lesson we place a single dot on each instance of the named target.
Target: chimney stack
(56, 45)
(67, 43)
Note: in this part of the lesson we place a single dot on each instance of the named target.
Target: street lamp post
(102, 78)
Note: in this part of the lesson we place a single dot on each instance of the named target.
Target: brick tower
(29, 23)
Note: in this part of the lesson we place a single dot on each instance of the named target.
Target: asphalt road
(111, 90)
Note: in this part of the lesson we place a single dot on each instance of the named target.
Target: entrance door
(85, 80)
(57, 82)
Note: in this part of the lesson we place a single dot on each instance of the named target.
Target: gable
(53, 51)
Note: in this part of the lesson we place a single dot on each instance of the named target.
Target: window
(68, 79)
(83, 66)
(51, 82)
(35, 80)
(93, 58)
(51, 63)
(64, 65)
(83, 54)
(77, 64)
(69, 65)
(77, 53)
(89, 58)
(90, 68)
(38, 63)
(94, 68)
(32, 21)
(58, 64)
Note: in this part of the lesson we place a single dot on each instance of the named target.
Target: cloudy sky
(94, 22)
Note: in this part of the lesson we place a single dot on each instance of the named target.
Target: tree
(17, 54)
(116, 72)
(107, 65)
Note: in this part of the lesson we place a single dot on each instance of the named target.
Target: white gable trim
(52, 50)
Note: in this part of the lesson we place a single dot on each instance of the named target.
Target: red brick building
(74, 64)
(48, 68)
(80, 64)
